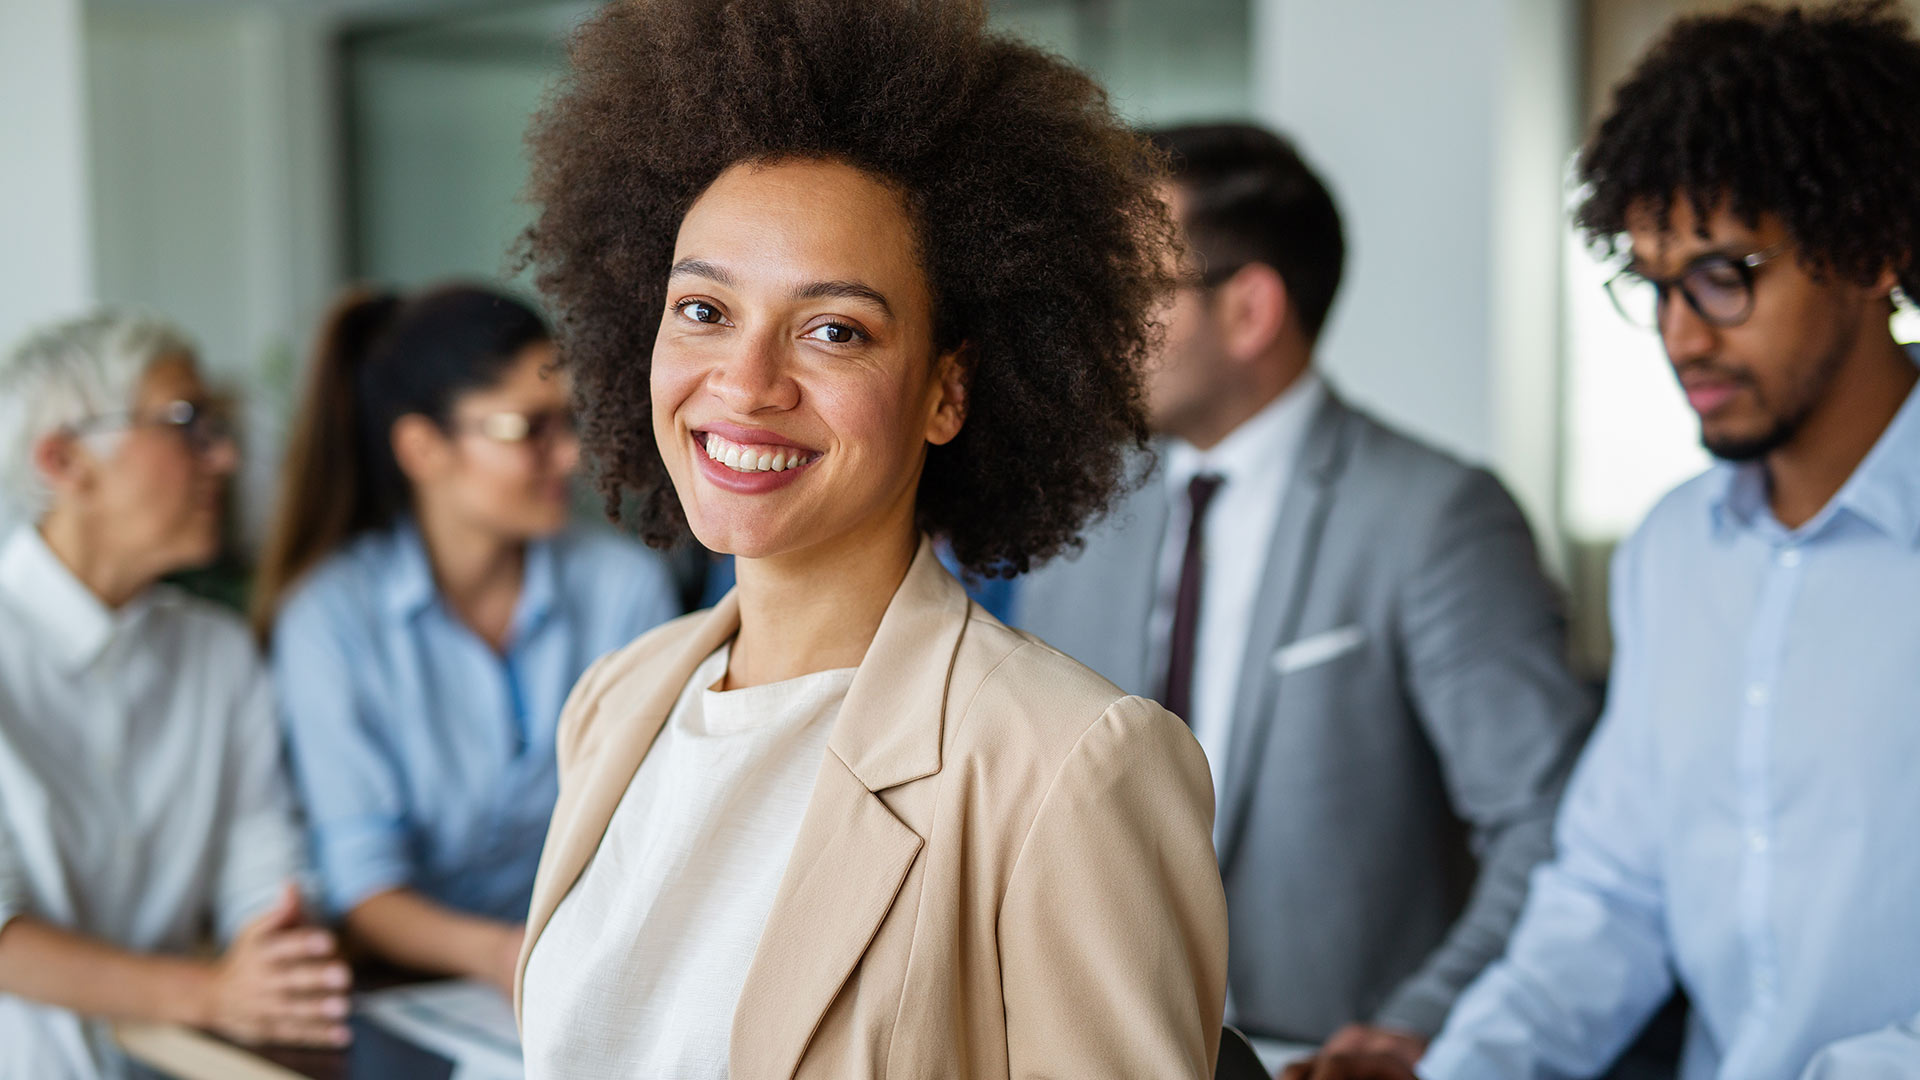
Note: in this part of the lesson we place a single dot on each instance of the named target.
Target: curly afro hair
(1038, 222)
(1810, 115)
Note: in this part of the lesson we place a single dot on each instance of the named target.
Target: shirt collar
(410, 586)
(70, 619)
(411, 589)
(1884, 490)
(1268, 440)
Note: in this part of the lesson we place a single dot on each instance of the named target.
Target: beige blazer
(1006, 869)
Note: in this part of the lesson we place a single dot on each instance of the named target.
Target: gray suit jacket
(1404, 722)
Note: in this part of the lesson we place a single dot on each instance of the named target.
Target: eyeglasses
(538, 429)
(1719, 288)
(201, 426)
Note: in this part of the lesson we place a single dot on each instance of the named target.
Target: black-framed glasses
(1719, 288)
(201, 426)
(538, 429)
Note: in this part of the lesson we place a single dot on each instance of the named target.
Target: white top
(639, 970)
(141, 794)
(1256, 462)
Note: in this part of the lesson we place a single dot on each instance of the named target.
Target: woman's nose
(755, 376)
(221, 456)
(566, 452)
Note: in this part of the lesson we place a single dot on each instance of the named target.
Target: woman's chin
(742, 539)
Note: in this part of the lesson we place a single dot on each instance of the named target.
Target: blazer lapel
(853, 854)
(848, 864)
(1276, 612)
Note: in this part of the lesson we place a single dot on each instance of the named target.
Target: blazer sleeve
(1484, 641)
(1113, 928)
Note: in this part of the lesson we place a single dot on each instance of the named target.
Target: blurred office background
(232, 162)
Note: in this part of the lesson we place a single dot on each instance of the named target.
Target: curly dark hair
(1810, 115)
(1038, 223)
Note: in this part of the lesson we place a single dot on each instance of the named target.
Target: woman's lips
(749, 468)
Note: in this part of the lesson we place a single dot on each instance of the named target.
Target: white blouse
(638, 971)
(142, 799)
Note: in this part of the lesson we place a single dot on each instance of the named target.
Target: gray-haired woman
(141, 797)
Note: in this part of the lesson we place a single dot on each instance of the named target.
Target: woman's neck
(479, 574)
(817, 609)
(112, 579)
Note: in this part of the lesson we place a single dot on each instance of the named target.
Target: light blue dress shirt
(424, 758)
(1745, 817)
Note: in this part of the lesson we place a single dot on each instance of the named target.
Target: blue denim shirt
(424, 758)
(1744, 818)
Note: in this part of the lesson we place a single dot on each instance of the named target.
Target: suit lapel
(1276, 613)
(1110, 631)
(852, 854)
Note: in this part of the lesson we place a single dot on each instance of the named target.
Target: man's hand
(1365, 1039)
(1325, 1066)
(1360, 1052)
(279, 982)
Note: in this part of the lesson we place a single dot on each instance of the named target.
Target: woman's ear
(420, 448)
(62, 461)
(950, 410)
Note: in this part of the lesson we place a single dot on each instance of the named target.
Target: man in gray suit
(1355, 625)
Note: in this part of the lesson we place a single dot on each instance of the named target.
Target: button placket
(1772, 620)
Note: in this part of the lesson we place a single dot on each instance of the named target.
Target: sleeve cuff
(358, 860)
(1418, 1007)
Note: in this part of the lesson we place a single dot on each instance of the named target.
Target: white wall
(47, 272)
(1162, 62)
(211, 133)
(1441, 128)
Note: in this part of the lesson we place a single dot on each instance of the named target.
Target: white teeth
(746, 459)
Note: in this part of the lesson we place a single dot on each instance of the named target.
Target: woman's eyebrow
(701, 268)
(844, 290)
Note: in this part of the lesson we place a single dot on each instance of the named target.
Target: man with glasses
(1355, 625)
(1743, 822)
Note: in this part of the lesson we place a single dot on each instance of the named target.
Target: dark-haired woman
(838, 276)
(429, 610)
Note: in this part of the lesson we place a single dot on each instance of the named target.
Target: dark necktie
(1186, 605)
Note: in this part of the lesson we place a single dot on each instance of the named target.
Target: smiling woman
(835, 278)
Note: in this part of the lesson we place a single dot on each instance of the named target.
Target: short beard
(1803, 399)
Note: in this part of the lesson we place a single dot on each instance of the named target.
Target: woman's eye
(835, 333)
(699, 311)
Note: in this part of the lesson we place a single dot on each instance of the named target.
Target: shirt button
(1763, 982)
(1789, 557)
(1756, 694)
(1757, 842)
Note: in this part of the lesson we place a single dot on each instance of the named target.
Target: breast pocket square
(1318, 649)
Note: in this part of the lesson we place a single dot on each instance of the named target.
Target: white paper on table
(467, 1022)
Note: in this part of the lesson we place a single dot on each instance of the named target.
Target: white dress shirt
(1255, 461)
(640, 969)
(142, 801)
